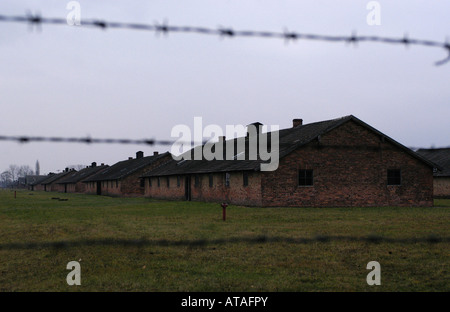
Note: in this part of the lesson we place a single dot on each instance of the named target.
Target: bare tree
(13, 170)
(5, 178)
(23, 171)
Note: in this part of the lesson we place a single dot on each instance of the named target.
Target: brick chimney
(297, 122)
(94, 164)
(139, 155)
(221, 145)
(256, 126)
(155, 153)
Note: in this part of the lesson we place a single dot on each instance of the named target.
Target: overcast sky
(72, 81)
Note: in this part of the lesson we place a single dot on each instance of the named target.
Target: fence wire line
(165, 28)
(199, 243)
(89, 140)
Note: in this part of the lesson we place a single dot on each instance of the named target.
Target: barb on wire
(447, 59)
(165, 28)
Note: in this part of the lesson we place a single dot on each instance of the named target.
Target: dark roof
(125, 168)
(47, 177)
(77, 176)
(290, 139)
(56, 177)
(35, 179)
(440, 156)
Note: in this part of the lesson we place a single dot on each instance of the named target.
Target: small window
(178, 181)
(211, 180)
(159, 181)
(117, 183)
(227, 179)
(245, 178)
(196, 180)
(305, 177)
(142, 183)
(168, 182)
(394, 177)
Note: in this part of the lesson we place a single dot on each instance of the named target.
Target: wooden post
(224, 211)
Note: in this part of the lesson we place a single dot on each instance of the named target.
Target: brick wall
(172, 192)
(91, 188)
(349, 169)
(234, 193)
(442, 187)
(78, 187)
(38, 187)
(55, 187)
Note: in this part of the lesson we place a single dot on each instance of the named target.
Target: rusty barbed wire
(165, 28)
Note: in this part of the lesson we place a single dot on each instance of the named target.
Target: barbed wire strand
(165, 28)
(199, 243)
(89, 140)
(151, 142)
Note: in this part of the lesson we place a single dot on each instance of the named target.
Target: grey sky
(70, 81)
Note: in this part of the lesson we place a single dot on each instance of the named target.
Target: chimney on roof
(103, 164)
(139, 155)
(130, 158)
(221, 145)
(155, 153)
(67, 170)
(94, 164)
(297, 122)
(254, 128)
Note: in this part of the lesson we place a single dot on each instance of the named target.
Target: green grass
(34, 217)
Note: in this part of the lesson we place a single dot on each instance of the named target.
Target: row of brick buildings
(120, 179)
(334, 163)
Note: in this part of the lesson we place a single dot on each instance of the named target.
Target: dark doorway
(187, 188)
(65, 188)
(99, 188)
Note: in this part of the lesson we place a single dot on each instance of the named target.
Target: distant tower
(37, 167)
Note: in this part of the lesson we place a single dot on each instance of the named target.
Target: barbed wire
(199, 243)
(165, 28)
(151, 142)
(89, 140)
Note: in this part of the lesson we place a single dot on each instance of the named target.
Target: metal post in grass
(224, 211)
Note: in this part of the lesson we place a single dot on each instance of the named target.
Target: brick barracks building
(49, 184)
(123, 178)
(342, 162)
(441, 157)
(72, 183)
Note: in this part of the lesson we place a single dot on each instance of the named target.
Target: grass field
(186, 246)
